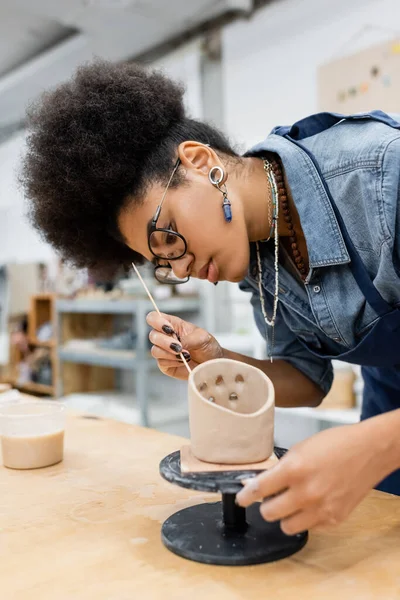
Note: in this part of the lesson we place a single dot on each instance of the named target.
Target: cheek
(204, 227)
(201, 224)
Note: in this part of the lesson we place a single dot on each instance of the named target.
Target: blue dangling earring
(216, 182)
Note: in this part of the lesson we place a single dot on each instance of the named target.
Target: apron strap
(356, 265)
(321, 121)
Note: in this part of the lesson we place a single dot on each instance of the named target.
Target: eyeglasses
(166, 244)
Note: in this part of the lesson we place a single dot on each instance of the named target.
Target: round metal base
(199, 533)
(225, 482)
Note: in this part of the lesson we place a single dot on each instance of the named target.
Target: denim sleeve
(286, 345)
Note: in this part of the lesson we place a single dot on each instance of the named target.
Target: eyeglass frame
(153, 227)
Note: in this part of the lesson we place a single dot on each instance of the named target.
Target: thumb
(202, 341)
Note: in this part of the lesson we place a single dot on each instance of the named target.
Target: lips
(213, 273)
(202, 274)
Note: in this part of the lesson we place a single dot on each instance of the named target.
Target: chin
(237, 277)
(234, 270)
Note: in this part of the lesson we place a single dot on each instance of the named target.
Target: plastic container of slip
(10, 396)
(32, 434)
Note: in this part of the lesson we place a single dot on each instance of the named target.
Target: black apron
(379, 351)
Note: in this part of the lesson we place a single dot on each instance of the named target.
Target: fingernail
(176, 347)
(250, 487)
(239, 498)
(187, 356)
(168, 330)
(250, 480)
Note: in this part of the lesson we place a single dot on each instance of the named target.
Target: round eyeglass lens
(167, 245)
(166, 275)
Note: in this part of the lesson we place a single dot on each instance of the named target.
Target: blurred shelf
(344, 416)
(45, 344)
(117, 359)
(124, 407)
(45, 296)
(31, 386)
(124, 306)
(86, 367)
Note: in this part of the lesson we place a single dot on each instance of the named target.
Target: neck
(258, 207)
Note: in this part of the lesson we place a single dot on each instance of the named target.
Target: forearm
(383, 435)
(292, 387)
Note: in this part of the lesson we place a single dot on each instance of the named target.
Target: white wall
(271, 61)
(184, 65)
(18, 240)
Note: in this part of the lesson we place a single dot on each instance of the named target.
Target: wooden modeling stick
(156, 308)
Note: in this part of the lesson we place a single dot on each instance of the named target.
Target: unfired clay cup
(231, 412)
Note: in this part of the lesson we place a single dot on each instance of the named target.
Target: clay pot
(231, 412)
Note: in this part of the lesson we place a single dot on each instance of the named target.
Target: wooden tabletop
(89, 529)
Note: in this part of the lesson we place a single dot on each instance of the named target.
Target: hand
(171, 335)
(321, 480)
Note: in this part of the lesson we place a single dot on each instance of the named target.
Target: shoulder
(353, 145)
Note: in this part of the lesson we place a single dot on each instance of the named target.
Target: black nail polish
(187, 356)
(176, 347)
(168, 330)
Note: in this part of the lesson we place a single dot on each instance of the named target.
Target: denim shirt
(360, 161)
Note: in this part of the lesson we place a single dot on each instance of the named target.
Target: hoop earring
(216, 182)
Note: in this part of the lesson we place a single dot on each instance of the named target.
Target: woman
(307, 220)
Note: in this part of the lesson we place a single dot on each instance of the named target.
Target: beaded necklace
(278, 197)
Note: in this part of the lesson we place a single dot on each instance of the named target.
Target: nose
(182, 266)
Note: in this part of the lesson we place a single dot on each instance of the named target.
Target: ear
(198, 157)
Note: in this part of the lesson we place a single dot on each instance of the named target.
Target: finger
(267, 484)
(301, 521)
(175, 372)
(159, 353)
(281, 506)
(165, 342)
(163, 322)
(169, 364)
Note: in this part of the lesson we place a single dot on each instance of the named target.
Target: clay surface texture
(231, 412)
(191, 464)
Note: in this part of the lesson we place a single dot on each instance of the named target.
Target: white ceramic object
(231, 412)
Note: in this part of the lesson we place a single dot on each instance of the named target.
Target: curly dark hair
(96, 140)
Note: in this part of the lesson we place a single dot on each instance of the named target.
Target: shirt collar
(324, 238)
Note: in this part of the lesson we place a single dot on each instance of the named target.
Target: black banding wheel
(223, 533)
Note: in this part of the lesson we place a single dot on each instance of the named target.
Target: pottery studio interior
(199, 299)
